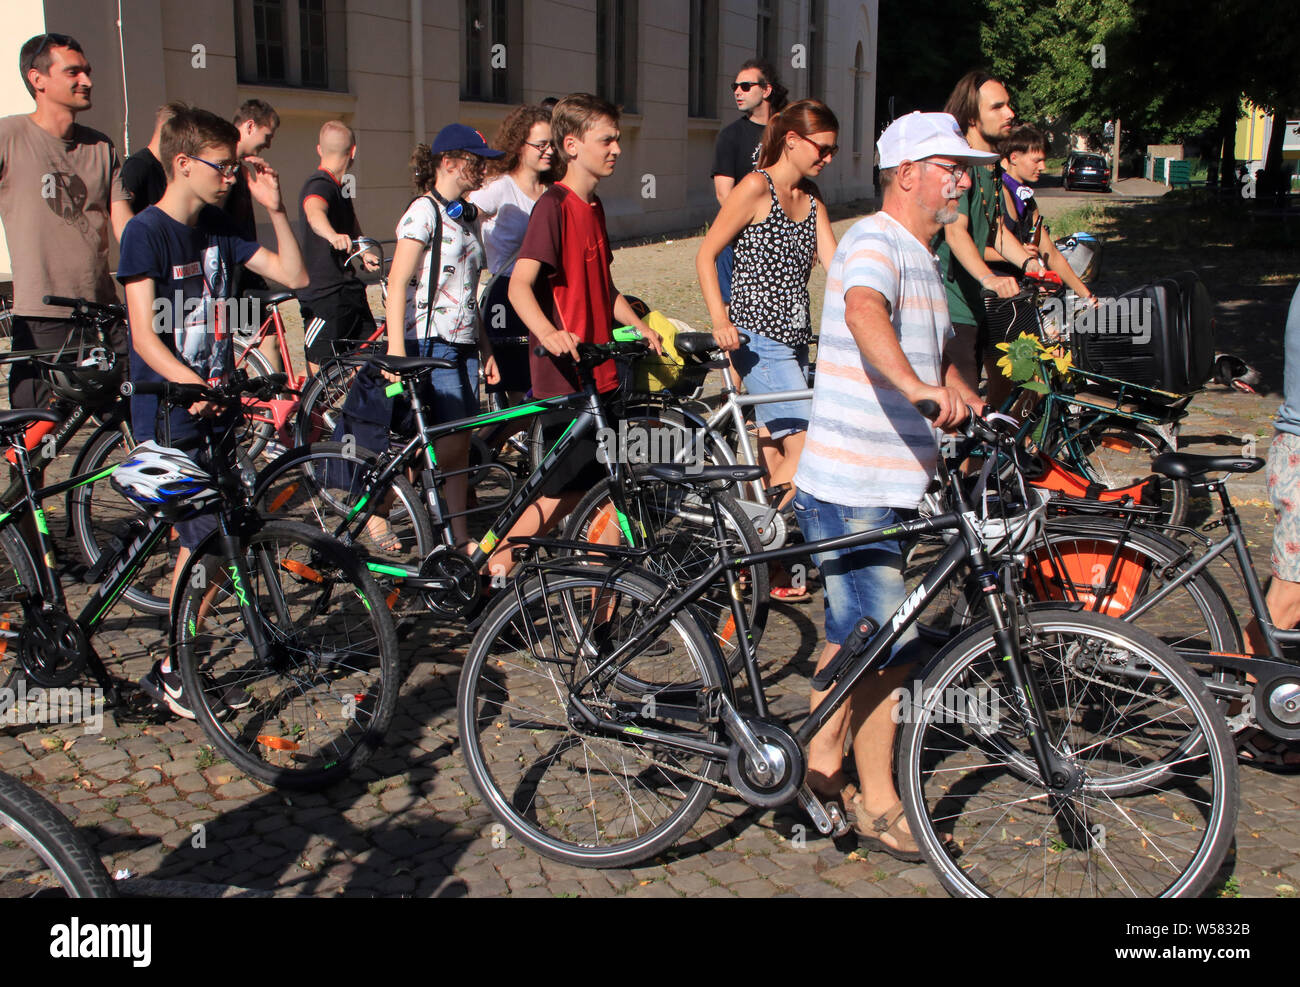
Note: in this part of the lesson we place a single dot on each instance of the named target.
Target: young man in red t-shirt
(562, 290)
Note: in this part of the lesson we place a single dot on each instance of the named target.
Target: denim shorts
(725, 265)
(448, 395)
(767, 366)
(859, 582)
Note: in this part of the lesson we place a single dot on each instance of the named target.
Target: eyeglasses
(958, 171)
(228, 170)
(746, 86)
(541, 147)
(822, 150)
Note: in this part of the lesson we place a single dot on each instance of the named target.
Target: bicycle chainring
(53, 657)
(462, 597)
(785, 757)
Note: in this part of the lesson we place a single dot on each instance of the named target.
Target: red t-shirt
(567, 237)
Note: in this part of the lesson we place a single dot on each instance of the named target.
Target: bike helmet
(93, 381)
(164, 481)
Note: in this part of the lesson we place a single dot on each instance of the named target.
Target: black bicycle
(275, 614)
(597, 719)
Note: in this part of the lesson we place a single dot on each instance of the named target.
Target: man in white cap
(870, 454)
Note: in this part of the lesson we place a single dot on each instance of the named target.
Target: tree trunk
(1114, 155)
(1228, 117)
(1272, 181)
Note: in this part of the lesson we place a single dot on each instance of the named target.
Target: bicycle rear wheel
(321, 406)
(571, 791)
(18, 574)
(318, 706)
(1117, 706)
(41, 853)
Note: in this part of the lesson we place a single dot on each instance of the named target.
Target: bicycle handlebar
(592, 354)
(85, 308)
(262, 388)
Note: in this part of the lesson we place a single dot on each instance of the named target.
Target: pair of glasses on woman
(541, 147)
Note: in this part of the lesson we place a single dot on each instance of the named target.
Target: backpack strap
(434, 255)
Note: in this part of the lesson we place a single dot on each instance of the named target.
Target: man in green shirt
(982, 108)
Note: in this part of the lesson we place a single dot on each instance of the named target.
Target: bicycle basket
(674, 372)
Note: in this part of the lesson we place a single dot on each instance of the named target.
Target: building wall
(662, 183)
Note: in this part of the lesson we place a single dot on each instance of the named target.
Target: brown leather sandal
(887, 824)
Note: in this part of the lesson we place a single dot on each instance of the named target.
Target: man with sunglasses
(60, 195)
(886, 343)
(759, 96)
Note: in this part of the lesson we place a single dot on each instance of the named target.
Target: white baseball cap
(922, 135)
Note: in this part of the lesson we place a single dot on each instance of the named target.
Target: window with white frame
(291, 43)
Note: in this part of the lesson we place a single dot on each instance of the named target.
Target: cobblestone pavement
(157, 802)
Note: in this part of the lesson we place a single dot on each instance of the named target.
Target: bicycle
(596, 749)
(41, 853)
(344, 488)
(274, 610)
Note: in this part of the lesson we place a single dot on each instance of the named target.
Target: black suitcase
(1160, 335)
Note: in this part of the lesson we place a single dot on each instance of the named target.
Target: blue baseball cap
(458, 137)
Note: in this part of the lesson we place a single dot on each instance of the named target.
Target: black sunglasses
(746, 86)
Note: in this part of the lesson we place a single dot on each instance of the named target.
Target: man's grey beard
(948, 214)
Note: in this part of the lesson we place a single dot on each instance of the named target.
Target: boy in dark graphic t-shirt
(561, 288)
(177, 261)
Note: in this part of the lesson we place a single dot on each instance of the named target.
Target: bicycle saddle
(279, 298)
(1184, 465)
(698, 343)
(20, 418)
(707, 474)
(404, 366)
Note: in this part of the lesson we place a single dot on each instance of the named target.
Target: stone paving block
(113, 772)
(53, 766)
(756, 889)
(238, 790)
(190, 782)
(146, 778)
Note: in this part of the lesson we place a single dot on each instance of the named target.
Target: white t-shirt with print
(455, 306)
(503, 231)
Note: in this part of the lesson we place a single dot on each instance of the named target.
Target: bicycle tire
(100, 515)
(321, 709)
(955, 774)
(681, 517)
(581, 803)
(19, 571)
(32, 830)
(321, 403)
(1129, 462)
(322, 483)
(254, 431)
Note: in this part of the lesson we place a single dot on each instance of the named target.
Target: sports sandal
(887, 824)
(383, 535)
(1254, 746)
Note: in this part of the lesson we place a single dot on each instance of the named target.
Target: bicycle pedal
(777, 493)
(709, 704)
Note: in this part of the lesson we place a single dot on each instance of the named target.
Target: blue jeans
(725, 263)
(859, 582)
(766, 367)
(448, 395)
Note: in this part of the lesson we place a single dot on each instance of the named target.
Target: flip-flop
(382, 534)
(790, 594)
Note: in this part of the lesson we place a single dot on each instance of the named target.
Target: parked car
(1085, 169)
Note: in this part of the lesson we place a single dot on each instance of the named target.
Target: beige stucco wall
(660, 142)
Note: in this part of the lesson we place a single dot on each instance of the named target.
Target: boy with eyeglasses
(177, 266)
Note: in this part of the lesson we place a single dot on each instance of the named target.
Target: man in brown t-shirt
(60, 193)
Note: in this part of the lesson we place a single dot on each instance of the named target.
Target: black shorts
(501, 323)
(343, 316)
(579, 469)
(27, 389)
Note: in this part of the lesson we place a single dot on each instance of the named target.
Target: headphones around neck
(460, 209)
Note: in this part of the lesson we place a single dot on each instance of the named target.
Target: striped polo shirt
(867, 446)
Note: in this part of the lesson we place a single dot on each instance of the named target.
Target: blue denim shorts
(448, 395)
(859, 582)
(725, 265)
(767, 366)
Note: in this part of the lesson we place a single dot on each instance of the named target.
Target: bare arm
(524, 302)
(149, 345)
(284, 264)
(1056, 262)
(119, 214)
(623, 313)
(736, 213)
(406, 257)
(825, 236)
(969, 256)
(722, 186)
(866, 313)
(314, 209)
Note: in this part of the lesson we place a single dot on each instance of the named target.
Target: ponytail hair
(805, 118)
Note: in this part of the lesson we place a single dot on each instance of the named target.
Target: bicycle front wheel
(316, 706)
(1116, 704)
(595, 795)
(41, 853)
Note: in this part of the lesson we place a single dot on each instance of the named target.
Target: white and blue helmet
(164, 481)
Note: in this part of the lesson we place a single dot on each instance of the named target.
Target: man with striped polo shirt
(870, 454)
